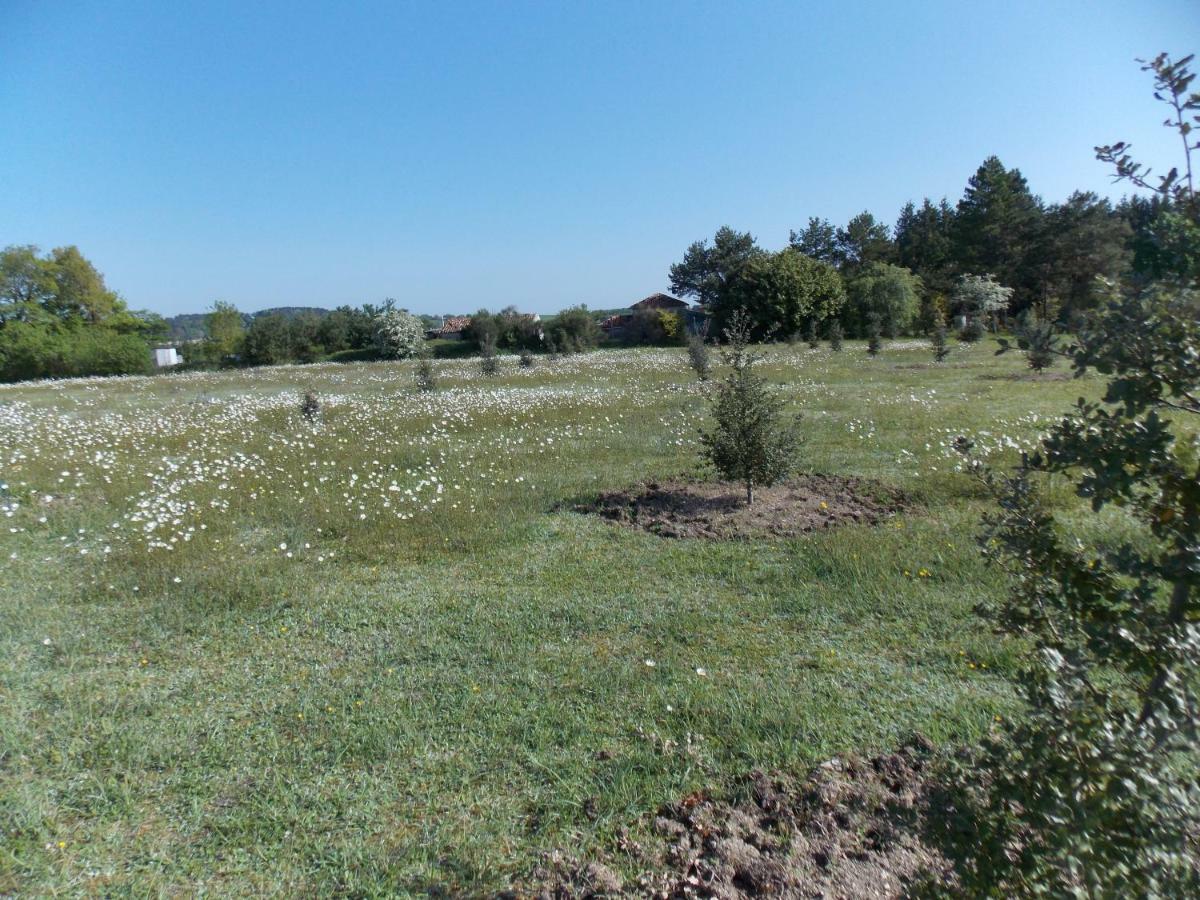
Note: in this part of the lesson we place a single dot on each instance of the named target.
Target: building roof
(660, 301)
(452, 324)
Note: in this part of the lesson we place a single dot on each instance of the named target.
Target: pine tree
(925, 243)
(813, 338)
(835, 336)
(997, 226)
(1037, 338)
(874, 335)
(699, 357)
(489, 362)
(749, 441)
(938, 343)
(425, 375)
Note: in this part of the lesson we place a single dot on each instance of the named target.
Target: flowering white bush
(399, 333)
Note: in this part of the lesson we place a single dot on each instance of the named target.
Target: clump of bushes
(525, 359)
(572, 331)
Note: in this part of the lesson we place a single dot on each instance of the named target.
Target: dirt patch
(706, 510)
(850, 830)
(1029, 376)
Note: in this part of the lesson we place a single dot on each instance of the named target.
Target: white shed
(166, 356)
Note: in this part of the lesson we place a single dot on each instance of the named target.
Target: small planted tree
(699, 356)
(425, 374)
(489, 362)
(971, 332)
(811, 335)
(525, 358)
(938, 343)
(749, 441)
(874, 335)
(310, 406)
(1038, 339)
(836, 334)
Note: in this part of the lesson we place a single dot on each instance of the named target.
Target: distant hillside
(190, 326)
(290, 311)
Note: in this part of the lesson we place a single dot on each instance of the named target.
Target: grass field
(243, 653)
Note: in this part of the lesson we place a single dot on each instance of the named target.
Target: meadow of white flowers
(150, 465)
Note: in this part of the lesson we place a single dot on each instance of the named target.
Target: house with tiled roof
(660, 301)
(616, 326)
(451, 329)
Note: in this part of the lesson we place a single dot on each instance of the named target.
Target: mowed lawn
(377, 654)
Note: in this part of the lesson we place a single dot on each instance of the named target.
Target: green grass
(432, 702)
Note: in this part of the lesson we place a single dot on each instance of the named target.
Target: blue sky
(456, 155)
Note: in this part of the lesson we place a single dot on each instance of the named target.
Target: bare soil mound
(850, 830)
(1029, 376)
(706, 510)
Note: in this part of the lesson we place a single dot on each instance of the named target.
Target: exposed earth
(807, 503)
(850, 830)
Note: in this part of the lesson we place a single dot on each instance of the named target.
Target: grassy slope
(452, 694)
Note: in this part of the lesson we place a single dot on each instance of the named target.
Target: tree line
(59, 319)
(1050, 259)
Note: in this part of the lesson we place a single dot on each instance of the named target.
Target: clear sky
(456, 155)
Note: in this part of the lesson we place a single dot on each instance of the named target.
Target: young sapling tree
(749, 440)
(836, 334)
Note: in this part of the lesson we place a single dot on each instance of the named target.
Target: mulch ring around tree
(852, 829)
(689, 509)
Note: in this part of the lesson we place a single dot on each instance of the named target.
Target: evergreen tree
(938, 343)
(925, 244)
(424, 374)
(874, 335)
(1037, 338)
(812, 335)
(836, 333)
(1083, 241)
(996, 228)
(818, 241)
(863, 241)
(704, 270)
(748, 442)
(699, 357)
(489, 362)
